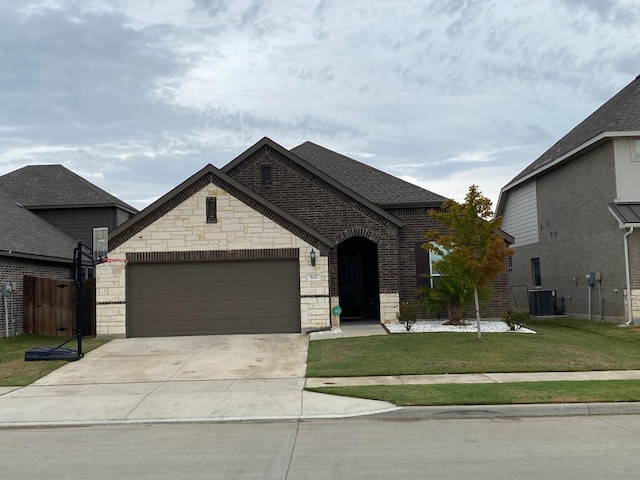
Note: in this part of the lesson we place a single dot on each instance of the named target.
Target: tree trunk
(454, 314)
(475, 298)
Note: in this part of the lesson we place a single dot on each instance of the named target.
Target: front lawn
(563, 344)
(496, 393)
(14, 371)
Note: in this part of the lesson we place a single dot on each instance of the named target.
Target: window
(635, 150)
(100, 245)
(425, 260)
(266, 175)
(212, 212)
(422, 266)
(434, 257)
(88, 273)
(535, 272)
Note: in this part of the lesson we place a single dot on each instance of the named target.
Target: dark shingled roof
(56, 186)
(25, 234)
(620, 114)
(378, 187)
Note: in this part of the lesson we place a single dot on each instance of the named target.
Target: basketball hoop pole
(79, 253)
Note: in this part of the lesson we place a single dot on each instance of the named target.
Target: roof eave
(621, 221)
(210, 169)
(80, 205)
(510, 239)
(591, 143)
(412, 205)
(33, 256)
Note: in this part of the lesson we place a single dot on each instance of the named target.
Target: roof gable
(25, 234)
(211, 175)
(267, 142)
(378, 187)
(621, 113)
(38, 186)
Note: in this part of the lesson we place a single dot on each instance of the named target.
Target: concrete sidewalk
(175, 401)
(473, 378)
(203, 379)
(275, 399)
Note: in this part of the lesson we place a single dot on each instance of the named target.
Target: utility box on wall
(541, 302)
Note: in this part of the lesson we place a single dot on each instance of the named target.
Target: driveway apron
(167, 359)
(199, 378)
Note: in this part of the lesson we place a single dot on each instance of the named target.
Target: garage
(204, 298)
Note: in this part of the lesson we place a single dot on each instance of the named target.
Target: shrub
(515, 318)
(407, 315)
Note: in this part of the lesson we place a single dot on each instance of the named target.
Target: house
(32, 246)
(44, 211)
(69, 202)
(276, 241)
(573, 212)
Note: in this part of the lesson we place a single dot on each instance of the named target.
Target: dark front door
(350, 281)
(358, 279)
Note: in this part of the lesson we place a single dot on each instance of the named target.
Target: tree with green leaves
(471, 250)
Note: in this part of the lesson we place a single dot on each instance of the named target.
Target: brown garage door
(205, 298)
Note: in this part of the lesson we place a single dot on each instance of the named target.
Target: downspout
(628, 275)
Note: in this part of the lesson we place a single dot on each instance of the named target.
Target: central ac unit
(541, 302)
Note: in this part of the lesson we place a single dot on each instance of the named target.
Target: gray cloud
(139, 95)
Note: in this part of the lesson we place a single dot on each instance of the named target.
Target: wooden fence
(49, 307)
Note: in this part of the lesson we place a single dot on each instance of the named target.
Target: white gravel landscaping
(486, 326)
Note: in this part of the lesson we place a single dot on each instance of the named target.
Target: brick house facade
(573, 212)
(44, 210)
(354, 244)
(12, 271)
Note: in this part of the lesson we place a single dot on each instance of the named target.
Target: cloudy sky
(137, 95)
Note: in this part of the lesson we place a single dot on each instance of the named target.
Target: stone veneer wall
(389, 304)
(184, 228)
(12, 270)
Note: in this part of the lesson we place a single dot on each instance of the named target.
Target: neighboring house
(44, 211)
(573, 212)
(32, 246)
(69, 202)
(272, 242)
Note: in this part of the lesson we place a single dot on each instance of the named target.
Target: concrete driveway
(178, 379)
(196, 358)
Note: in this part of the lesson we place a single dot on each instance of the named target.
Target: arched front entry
(358, 279)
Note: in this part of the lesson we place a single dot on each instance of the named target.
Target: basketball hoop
(117, 264)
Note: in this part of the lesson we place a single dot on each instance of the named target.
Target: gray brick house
(31, 246)
(44, 211)
(272, 242)
(66, 200)
(573, 212)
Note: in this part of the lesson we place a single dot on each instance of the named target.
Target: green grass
(490, 394)
(560, 345)
(14, 371)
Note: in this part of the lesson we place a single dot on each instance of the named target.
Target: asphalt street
(584, 447)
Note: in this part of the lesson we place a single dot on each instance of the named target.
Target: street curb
(393, 414)
(524, 410)
(138, 421)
